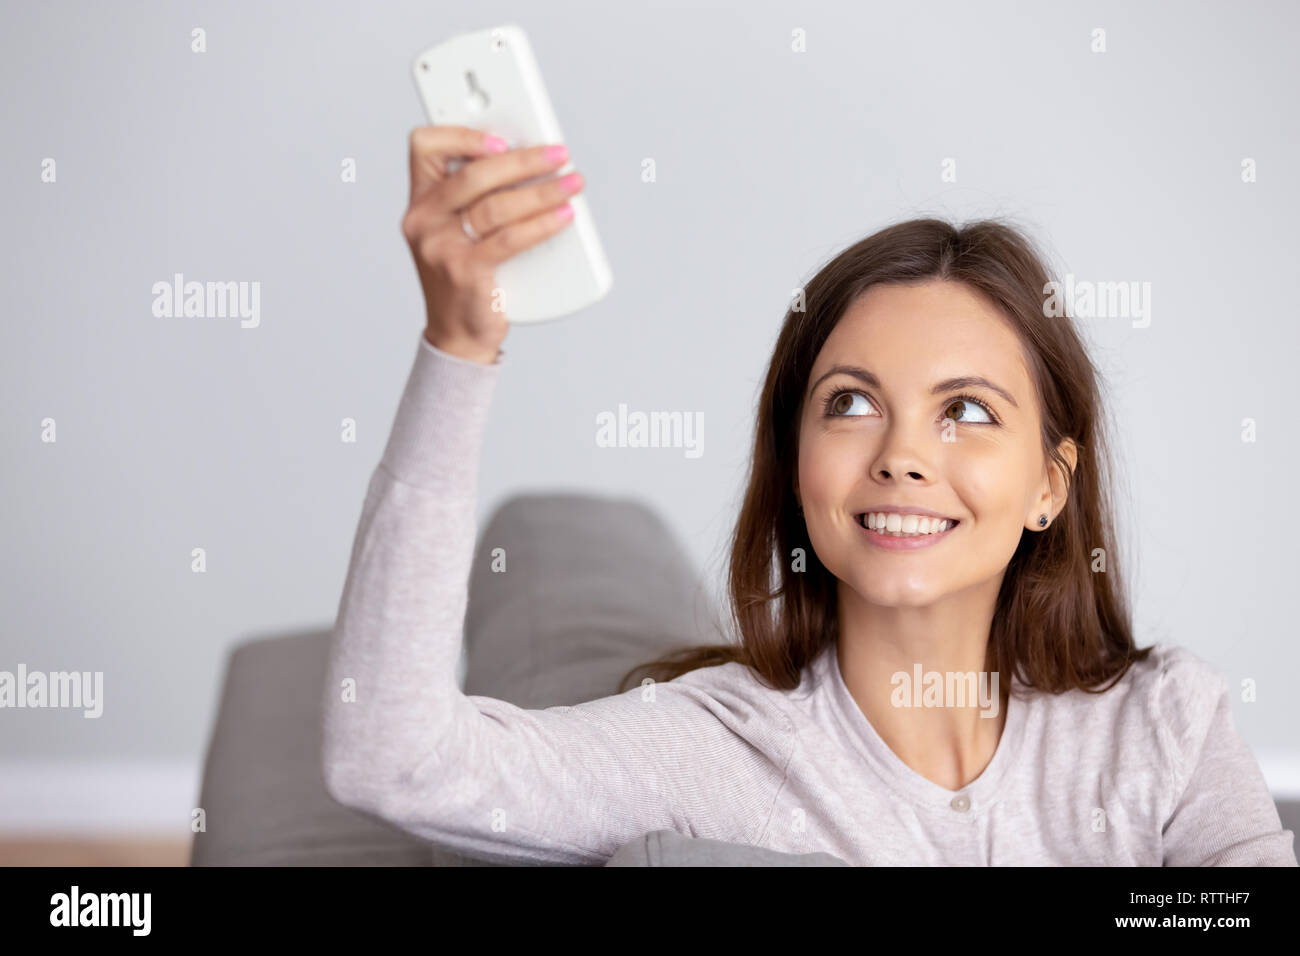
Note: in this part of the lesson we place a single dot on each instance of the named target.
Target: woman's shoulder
(1184, 694)
(1177, 673)
(1166, 702)
(1169, 676)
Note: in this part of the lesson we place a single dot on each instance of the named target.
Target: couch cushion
(592, 587)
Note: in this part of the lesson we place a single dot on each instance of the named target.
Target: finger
(475, 180)
(507, 206)
(431, 147)
(515, 238)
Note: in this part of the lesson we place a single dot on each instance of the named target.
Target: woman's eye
(965, 403)
(841, 404)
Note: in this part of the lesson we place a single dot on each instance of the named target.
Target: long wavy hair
(1058, 624)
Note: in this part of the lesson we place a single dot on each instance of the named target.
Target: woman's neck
(919, 676)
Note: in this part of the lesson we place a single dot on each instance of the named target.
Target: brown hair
(1057, 624)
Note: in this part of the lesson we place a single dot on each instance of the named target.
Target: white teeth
(903, 526)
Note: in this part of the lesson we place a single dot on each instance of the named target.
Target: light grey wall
(178, 433)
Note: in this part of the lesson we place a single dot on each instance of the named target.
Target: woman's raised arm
(701, 755)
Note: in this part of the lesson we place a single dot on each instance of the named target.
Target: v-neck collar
(979, 794)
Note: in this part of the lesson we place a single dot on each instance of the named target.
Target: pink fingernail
(564, 213)
(495, 144)
(556, 154)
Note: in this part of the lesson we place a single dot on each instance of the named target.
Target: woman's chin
(884, 593)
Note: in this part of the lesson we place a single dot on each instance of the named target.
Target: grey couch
(594, 586)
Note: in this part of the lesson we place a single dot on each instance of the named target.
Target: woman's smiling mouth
(904, 531)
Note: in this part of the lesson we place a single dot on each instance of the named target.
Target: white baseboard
(104, 798)
(147, 798)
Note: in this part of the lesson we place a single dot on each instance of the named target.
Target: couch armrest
(263, 788)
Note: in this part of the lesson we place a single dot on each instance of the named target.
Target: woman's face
(884, 443)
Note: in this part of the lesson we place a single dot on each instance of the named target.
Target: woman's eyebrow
(947, 385)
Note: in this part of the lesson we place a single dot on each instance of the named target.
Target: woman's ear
(1053, 497)
(1059, 480)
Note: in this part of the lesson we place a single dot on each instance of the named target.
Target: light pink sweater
(1151, 772)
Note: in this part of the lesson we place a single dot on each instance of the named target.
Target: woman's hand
(457, 273)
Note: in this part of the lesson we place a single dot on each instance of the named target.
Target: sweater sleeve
(402, 742)
(1223, 814)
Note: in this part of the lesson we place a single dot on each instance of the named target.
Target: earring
(1042, 521)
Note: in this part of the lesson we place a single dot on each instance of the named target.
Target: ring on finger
(467, 227)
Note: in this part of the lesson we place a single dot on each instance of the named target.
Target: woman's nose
(901, 458)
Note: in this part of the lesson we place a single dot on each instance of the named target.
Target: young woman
(926, 498)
